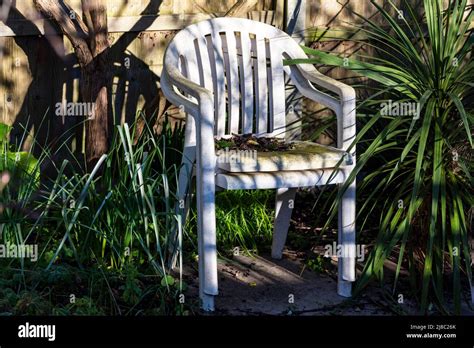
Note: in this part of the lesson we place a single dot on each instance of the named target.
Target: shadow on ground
(259, 285)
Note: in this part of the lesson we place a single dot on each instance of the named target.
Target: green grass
(244, 221)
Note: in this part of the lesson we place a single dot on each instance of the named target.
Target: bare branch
(70, 24)
(95, 17)
(5, 10)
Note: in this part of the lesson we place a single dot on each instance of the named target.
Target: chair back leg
(284, 202)
(346, 240)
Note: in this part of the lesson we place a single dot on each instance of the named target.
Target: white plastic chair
(228, 75)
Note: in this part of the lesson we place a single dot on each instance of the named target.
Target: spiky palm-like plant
(418, 165)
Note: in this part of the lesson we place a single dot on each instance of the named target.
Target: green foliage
(104, 236)
(132, 290)
(317, 264)
(115, 218)
(416, 170)
(19, 164)
(244, 220)
(4, 131)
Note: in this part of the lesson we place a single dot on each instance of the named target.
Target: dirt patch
(259, 285)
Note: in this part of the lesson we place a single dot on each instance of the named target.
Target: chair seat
(273, 180)
(303, 155)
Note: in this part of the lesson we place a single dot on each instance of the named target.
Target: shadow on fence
(55, 76)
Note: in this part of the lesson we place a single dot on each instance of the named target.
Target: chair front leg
(184, 188)
(283, 208)
(206, 188)
(183, 200)
(346, 239)
(206, 228)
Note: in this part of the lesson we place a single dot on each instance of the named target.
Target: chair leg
(206, 229)
(182, 205)
(472, 294)
(283, 207)
(471, 241)
(346, 239)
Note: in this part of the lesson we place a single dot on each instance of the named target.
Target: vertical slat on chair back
(243, 66)
(261, 83)
(277, 97)
(233, 83)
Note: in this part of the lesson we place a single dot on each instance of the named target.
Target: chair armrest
(346, 93)
(202, 111)
(172, 77)
(305, 75)
(190, 106)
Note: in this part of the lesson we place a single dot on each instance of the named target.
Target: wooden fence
(38, 69)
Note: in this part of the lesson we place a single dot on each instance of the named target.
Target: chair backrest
(241, 62)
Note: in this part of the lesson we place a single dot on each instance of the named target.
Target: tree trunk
(90, 42)
(95, 77)
(94, 90)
